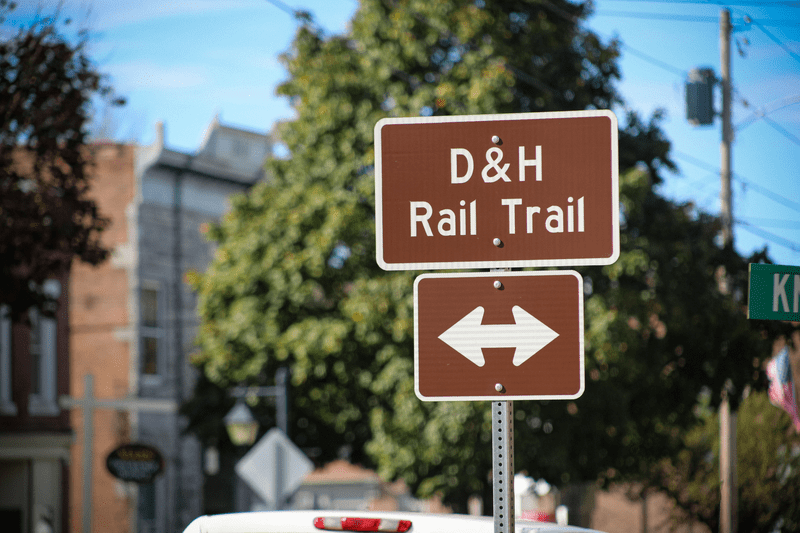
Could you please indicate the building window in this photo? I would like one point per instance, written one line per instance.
(240, 149)
(150, 346)
(35, 351)
(7, 406)
(151, 330)
(42, 350)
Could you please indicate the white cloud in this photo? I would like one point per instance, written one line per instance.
(150, 75)
(105, 15)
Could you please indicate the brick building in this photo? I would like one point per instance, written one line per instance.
(35, 435)
(100, 333)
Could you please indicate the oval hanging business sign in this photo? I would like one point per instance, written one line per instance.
(138, 463)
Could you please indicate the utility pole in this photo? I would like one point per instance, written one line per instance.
(88, 404)
(726, 209)
(727, 418)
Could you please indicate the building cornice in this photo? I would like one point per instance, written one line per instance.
(38, 445)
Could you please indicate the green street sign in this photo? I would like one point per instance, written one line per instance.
(774, 292)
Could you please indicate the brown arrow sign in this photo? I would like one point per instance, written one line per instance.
(509, 335)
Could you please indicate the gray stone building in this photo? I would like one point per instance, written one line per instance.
(179, 193)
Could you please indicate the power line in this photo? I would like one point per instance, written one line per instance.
(577, 21)
(767, 109)
(761, 27)
(747, 225)
(776, 40)
(759, 3)
(772, 222)
(656, 16)
(654, 61)
(697, 162)
(301, 15)
(769, 236)
(750, 225)
(783, 131)
(791, 204)
(284, 7)
(690, 18)
(704, 195)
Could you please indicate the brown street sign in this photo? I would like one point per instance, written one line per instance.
(497, 191)
(498, 335)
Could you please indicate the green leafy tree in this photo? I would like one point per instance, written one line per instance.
(768, 469)
(660, 333)
(295, 282)
(47, 218)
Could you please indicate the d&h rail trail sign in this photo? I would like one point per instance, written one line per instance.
(498, 335)
(497, 191)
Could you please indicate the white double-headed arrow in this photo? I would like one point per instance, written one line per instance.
(528, 335)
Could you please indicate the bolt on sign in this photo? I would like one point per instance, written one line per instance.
(498, 336)
(497, 191)
(774, 292)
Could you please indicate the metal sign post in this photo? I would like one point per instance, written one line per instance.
(503, 465)
(503, 460)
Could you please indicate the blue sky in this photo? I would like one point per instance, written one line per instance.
(184, 61)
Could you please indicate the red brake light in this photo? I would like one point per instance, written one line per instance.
(361, 524)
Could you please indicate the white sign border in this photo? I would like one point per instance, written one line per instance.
(593, 261)
(500, 397)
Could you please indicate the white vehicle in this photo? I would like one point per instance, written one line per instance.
(331, 520)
